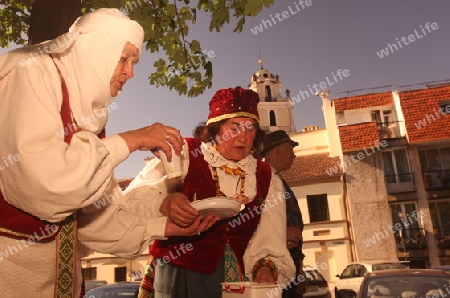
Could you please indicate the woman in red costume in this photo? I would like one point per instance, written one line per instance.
(219, 162)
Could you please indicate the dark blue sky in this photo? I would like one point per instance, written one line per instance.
(306, 47)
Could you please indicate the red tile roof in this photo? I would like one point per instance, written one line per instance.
(363, 101)
(359, 136)
(423, 118)
(313, 166)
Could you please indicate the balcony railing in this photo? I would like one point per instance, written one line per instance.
(399, 183)
(410, 239)
(436, 180)
(389, 130)
(442, 237)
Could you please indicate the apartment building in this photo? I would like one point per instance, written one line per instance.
(396, 160)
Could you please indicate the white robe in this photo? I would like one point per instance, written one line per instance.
(51, 180)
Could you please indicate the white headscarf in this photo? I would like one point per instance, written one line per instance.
(87, 57)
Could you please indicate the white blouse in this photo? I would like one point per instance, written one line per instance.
(269, 240)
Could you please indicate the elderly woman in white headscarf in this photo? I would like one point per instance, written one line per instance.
(58, 196)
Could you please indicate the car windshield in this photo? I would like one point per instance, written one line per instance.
(115, 292)
(90, 284)
(384, 266)
(406, 287)
(313, 275)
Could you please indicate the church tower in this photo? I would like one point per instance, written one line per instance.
(275, 111)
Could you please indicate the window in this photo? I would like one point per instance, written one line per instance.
(439, 211)
(120, 274)
(318, 208)
(439, 214)
(388, 265)
(381, 117)
(406, 214)
(273, 119)
(268, 93)
(435, 159)
(396, 166)
(435, 164)
(445, 106)
(386, 117)
(314, 276)
(406, 220)
(90, 273)
(376, 117)
(360, 270)
(348, 272)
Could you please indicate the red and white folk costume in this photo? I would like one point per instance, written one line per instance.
(257, 233)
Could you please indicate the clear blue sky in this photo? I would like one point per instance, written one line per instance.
(307, 46)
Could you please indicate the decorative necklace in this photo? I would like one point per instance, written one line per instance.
(235, 172)
(230, 171)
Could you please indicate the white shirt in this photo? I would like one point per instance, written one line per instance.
(269, 239)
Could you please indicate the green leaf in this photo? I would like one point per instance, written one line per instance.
(183, 67)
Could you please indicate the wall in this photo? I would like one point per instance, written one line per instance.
(364, 115)
(283, 114)
(105, 265)
(310, 142)
(367, 195)
(329, 114)
(334, 194)
(325, 242)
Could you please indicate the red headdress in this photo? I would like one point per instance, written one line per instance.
(232, 103)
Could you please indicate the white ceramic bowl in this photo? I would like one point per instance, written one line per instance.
(222, 207)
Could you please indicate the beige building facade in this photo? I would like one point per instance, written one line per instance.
(318, 184)
(113, 269)
(396, 157)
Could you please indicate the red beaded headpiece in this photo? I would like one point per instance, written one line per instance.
(232, 103)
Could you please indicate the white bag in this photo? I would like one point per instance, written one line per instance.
(250, 290)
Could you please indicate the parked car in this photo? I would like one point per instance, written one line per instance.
(127, 289)
(442, 267)
(405, 283)
(316, 285)
(348, 282)
(90, 284)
